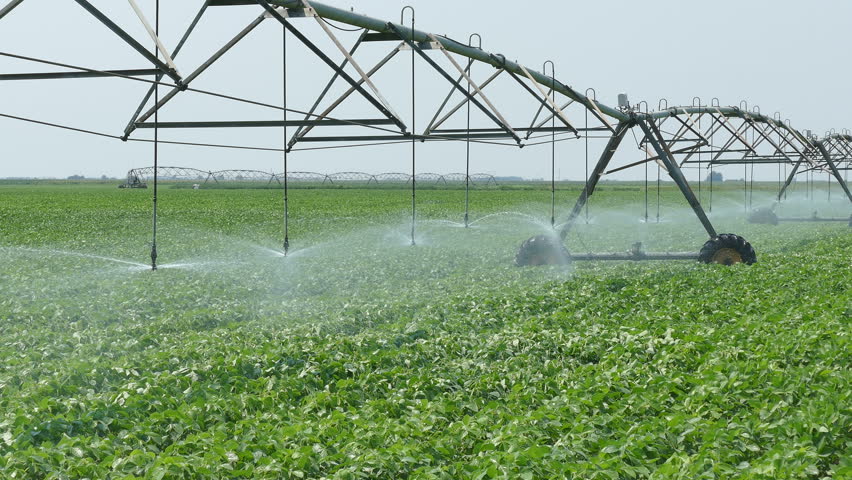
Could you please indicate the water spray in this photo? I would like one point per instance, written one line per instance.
(725, 249)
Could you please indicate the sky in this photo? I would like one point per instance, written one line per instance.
(785, 56)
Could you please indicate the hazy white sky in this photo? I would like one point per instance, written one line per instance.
(783, 55)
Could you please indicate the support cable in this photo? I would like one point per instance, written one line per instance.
(190, 89)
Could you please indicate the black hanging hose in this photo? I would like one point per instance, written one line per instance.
(156, 142)
(286, 165)
(413, 130)
(552, 147)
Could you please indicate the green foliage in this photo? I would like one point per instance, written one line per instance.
(362, 357)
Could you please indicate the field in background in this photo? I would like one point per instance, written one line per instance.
(359, 355)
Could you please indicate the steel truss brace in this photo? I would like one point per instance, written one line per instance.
(494, 116)
(267, 123)
(331, 82)
(435, 124)
(448, 97)
(192, 76)
(93, 74)
(735, 136)
(834, 170)
(9, 7)
(534, 127)
(297, 137)
(656, 139)
(500, 120)
(328, 61)
(355, 65)
(168, 70)
(153, 35)
(503, 123)
(545, 99)
(766, 136)
(177, 50)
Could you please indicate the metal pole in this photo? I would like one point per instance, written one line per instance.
(156, 149)
(552, 146)
(586, 141)
(467, 141)
(712, 179)
(646, 185)
(828, 180)
(413, 130)
(658, 193)
(467, 164)
(286, 148)
(700, 116)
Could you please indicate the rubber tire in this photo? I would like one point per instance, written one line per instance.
(542, 250)
(727, 240)
(764, 216)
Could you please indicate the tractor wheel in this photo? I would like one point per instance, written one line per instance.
(542, 250)
(763, 216)
(727, 249)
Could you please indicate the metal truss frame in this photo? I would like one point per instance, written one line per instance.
(675, 138)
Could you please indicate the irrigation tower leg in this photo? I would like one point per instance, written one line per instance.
(592, 181)
(656, 139)
(789, 179)
(834, 171)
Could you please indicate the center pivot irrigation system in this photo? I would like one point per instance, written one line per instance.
(709, 135)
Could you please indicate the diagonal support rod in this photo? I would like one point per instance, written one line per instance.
(172, 73)
(364, 77)
(9, 7)
(177, 49)
(434, 125)
(458, 87)
(192, 76)
(652, 133)
(834, 170)
(328, 61)
(298, 137)
(153, 35)
(502, 121)
(331, 82)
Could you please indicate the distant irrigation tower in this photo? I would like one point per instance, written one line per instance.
(139, 177)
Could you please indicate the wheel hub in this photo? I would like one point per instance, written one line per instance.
(727, 256)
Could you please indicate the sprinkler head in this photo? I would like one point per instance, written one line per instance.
(154, 257)
(286, 245)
